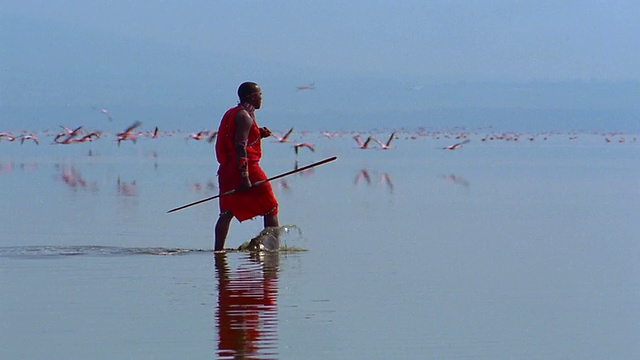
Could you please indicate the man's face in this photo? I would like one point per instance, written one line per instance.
(255, 98)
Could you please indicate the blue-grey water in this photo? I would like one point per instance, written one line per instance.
(501, 249)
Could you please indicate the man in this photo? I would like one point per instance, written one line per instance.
(238, 151)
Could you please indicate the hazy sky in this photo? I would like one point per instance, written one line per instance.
(432, 40)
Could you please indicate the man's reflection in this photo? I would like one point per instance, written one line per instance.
(247, 317)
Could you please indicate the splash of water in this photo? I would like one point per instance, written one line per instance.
(287, 238)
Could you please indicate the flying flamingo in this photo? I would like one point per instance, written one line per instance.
(128, 134)
(311, 86)
(200, 135)
(68, 133)
(285, 138)
(105, 112)
(7, 136)
(89, 137)
(29, 137)
(386, 146)
(363, 145)
(306, 144)
(328, 134)
(456, 145)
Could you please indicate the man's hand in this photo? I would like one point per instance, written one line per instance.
(245, 183)
(265, 132)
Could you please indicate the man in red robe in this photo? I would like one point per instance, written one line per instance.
(238, 151)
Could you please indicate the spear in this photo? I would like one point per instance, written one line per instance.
(255, 184)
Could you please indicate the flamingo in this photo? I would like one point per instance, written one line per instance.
(128, 134)
(285, 138)
(70, 134)
(329, 135)
(7, 136)
(456, 145)
(29, 137)
(386, 146)
(363, 145)
(105, 112)
(306, 144)
(89, 136)
(200, 135)
(311, 86)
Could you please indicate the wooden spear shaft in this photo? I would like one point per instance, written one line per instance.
(255, 184)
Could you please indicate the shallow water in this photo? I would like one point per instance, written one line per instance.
(500, 249)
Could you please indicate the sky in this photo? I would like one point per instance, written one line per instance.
(442, 40)
(127, 51)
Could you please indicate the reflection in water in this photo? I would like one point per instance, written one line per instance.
(247, 316)
(363, 175)
(126, 188)
(455, 179)
(307, 172)
(383, 179)
(72, 178)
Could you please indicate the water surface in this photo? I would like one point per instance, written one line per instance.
(498, 250)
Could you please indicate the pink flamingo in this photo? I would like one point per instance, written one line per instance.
(386, 146)
(7, 136)
(128, 133)
(105, 112)
(306, 87)
(456, 145)
(88, 137)
(329, 135)
(68, 133)
(285, 138)
(363, 145)
(196, 136)
(29, 137)
(200, 135)
(306, 144)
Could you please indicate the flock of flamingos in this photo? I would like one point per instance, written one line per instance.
(455, 138)
(68, 136)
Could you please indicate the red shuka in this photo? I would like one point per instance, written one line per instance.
(258, 200)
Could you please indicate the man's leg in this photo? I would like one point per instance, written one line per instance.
(271, 221)
(272, 242)
(222, 229)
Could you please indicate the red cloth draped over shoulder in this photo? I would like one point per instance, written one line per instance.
(258, 200)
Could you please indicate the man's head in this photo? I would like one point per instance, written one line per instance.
(250, 92)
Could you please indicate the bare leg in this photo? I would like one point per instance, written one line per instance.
(222, 229)
(271, 221)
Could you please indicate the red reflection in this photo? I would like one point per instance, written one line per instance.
(126, 188)
(247, 315)
(75, 180)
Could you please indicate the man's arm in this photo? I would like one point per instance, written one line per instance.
(243, 126)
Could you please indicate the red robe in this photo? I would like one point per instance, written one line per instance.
(258, 200)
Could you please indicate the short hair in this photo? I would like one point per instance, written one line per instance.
(246, 89)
